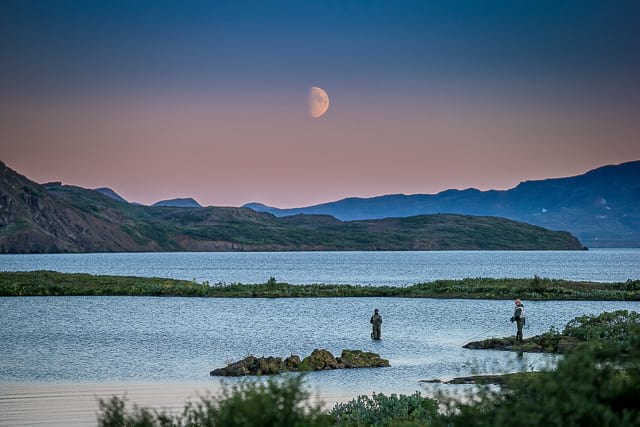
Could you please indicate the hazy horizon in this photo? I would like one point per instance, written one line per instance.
(186, 196)
(159, 100)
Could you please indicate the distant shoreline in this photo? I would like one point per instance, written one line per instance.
(50, 283)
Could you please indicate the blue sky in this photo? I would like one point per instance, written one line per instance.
(475, 82)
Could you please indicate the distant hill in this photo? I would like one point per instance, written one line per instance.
(600, 207)
(179, 203)
(110, 193)
(34, 219)
(53, 217)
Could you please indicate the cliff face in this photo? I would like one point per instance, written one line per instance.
(33, 220)
(53, 217)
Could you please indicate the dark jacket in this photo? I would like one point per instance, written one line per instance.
(376, 320)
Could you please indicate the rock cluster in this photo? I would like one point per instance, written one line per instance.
(499, 379)
(318, 360)
(536, 344)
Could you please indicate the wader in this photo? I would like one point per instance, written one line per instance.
(519, 323)
(376, 321)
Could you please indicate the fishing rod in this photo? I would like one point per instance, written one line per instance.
(483, 334)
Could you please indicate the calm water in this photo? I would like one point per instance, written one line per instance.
(148, 338)
(377, 268)
(58, 354)
(57, 351)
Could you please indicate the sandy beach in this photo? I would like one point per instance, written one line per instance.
(76, 403)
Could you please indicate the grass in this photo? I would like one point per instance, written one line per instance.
(49, 283)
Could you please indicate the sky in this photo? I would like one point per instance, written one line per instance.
(208, 99)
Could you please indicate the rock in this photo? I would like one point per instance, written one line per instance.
(497, 379)
(236, 369)
(567, 344)
(361, 359)
(491, 343)
(537, 344)
(292, 363)
(269, 366)
(252, 365)
(318, 360)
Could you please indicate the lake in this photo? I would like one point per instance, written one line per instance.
(58, 354)
(358, 268)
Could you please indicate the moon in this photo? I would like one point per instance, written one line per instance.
(318, 102)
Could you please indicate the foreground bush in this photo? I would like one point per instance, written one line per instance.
(596, 385)
(282, 403)
(613, 327)
(275, 402)
(381, 410)
(605, 330)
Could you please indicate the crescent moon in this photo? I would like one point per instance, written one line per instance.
(318, 102)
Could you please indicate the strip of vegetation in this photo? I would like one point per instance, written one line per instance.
(597, 384)
(49, 283)
(606, 327)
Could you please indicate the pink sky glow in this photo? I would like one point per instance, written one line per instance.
(255, 147)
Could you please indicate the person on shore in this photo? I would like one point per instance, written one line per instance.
(376, 322)
(518, 317)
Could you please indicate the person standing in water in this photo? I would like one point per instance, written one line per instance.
(376, 322)
(518, 317)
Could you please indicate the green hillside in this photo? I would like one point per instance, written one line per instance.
(63, 218)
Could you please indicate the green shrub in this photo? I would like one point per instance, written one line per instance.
(382, 410)
(613, 327)
(549, 340)
(271, 282)
(273, 402)
(594, 386)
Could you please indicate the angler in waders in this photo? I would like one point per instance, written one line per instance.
(518, 317)
(376, 322)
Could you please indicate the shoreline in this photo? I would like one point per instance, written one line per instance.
(71, 403)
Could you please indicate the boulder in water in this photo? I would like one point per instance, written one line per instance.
(318, 360)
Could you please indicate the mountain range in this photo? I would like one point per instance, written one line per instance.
(52, 217)
(186, 202)
(600, 207)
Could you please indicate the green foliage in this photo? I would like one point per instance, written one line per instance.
(382, 410)
(593, 386)
(53, 283)
(531, 289)
(550, 340)
(271, 282)
(610, 327)
(144, 228)
(596, 385)
(274, 402)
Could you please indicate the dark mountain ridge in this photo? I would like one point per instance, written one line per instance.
(601, 207)
(112, 194)
(64, 218)
(187, 202)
